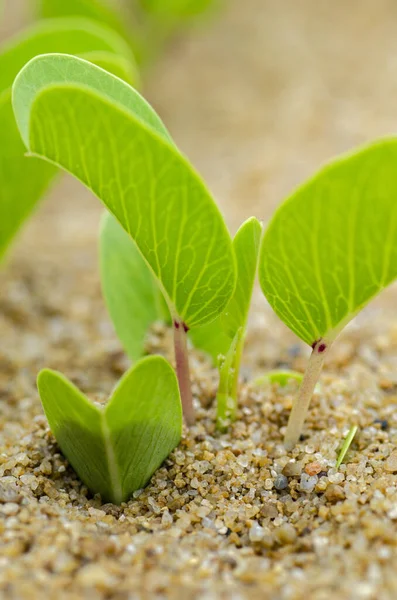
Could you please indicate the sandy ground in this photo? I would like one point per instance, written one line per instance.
(258, 100)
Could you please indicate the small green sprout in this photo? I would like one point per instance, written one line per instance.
(346, 445)
(88, 122)
(116, 449)
(23, 182)
(328, 250)
(224, 339)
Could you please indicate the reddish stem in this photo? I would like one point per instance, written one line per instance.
(183, 371)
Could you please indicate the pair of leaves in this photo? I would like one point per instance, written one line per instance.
(23, 182)
(116, 449)
(101, 130)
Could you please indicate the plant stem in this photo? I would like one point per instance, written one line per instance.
(226, 398)
(236, 374)
(183, 371)
(301, 405)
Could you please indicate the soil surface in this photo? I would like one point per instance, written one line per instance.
(257, 98)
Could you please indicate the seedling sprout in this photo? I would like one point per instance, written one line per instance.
(346, 445)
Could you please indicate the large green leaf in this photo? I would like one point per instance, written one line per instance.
(101, 130)
(331, 247)
(131, 292)
(22, 181)
(116, 449)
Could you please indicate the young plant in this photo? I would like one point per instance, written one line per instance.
(135, 301)
(224, 339)
(116, 449)
(346, 445)
(86, 121)
(329, 249)
(23, 182)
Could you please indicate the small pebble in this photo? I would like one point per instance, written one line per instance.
(292, 469)
(391, 462)
(281, 482)
(307, 483)
(313, 468)
(286, 534)
(335, 493)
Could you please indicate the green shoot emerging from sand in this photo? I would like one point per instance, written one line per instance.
(329, 249)
(346, 445)
(116, 449)
(127, 282)
(224, 339)
(93, 125)
(24, 181)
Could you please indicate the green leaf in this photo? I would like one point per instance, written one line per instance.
(121, 18)
(97, 10)
(246, 248)
(177, 9)
(216, 337)
(23, 182)
(131, 292)
(116, 449)
(91, 124)
(331, 247)
(279, 377)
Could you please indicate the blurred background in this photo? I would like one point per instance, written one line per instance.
(258, 94)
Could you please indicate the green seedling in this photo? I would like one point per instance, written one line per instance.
(23, 182)
(135, 301)
(78, 117)
(346, 445)
(116, 449)
(329, 249)
(224, 339)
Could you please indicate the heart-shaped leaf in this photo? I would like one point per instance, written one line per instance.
(102, 131)
(115, 449)
(23, 182)
(329, 249)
